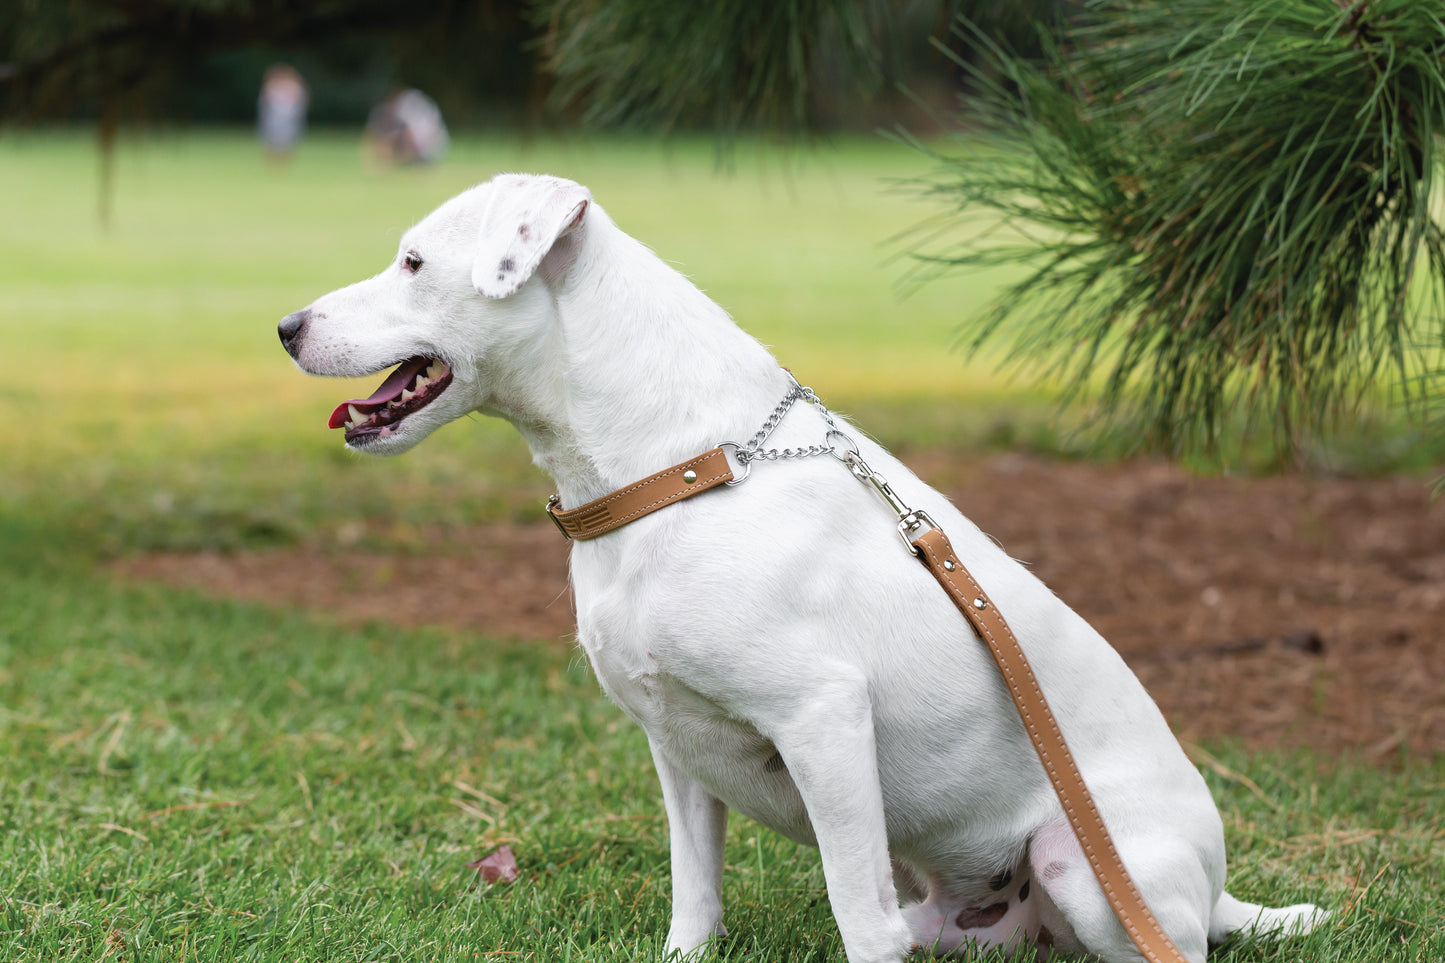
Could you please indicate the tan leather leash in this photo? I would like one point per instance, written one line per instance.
(928, 542)
(933, 548)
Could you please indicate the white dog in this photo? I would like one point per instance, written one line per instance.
(785, 654)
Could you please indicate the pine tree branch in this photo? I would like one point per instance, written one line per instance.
(730, 64)
(1232, 207)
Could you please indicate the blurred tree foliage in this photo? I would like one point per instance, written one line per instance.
(483, 60)
(203, 59)
(1227, 209)
(785, 66)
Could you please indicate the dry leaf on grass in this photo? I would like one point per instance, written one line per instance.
(499, 867)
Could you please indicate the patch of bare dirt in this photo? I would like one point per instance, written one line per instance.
(510, 582)
(1285, 611)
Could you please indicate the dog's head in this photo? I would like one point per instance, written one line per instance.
(469, 284)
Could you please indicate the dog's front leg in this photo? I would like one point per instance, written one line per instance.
(827, 743)
(696, 824)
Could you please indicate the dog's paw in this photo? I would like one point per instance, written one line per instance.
(893, 944)
(687, 941)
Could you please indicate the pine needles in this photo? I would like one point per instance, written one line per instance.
(735, 66)
(1225, 207)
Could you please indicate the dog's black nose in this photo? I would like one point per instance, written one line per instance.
(290, 330)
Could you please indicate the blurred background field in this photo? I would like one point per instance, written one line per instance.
(170, 418)
(181, 422)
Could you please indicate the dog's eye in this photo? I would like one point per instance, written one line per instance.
(412, 262)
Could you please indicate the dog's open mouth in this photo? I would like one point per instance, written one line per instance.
(416, 383)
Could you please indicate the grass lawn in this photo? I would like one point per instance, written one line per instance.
(188, 779)
(184, 778)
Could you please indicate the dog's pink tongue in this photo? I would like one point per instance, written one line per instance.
(389, 389)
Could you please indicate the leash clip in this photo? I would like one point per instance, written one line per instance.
(909, 520)
(910, 524)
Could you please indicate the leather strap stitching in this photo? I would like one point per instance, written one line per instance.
(578, 522)
(702, 485)
(1128, 905)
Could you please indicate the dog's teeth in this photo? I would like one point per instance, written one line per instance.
(356, 416)
(435, 370)
(407, 395)
(421, 382)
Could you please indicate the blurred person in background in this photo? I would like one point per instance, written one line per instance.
(406, 128)
(281, 111)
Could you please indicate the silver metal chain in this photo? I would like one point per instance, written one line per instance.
(754, 451)
(836, 443)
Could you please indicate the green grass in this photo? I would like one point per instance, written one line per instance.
(183, 778)
(186, 778)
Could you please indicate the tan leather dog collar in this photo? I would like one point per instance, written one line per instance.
(602, 515)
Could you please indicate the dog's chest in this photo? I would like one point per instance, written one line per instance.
(726, 755)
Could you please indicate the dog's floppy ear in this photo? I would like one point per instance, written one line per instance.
(525, 216)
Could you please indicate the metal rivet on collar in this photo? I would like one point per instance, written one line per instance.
(689, 476)
(980, 603)
(949, 564)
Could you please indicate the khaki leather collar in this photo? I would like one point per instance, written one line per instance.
(602, 515)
